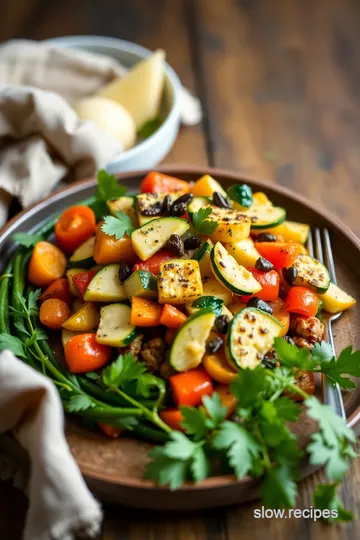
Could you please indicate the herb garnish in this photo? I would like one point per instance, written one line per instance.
(107, 189)
(259, 441)
(201, 223)
(117, 225)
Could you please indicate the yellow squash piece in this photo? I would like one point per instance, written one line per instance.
(261, 199)
(218, 367)
(211, 287)
(205, 187)
(244, 252)
(179, 281)
(335, 299)
(85, 319)
(291, 231)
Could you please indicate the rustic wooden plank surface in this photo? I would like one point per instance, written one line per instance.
(279, 82)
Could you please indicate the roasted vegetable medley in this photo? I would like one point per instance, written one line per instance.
(168, 302)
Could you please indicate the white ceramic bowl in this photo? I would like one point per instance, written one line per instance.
(152, 150)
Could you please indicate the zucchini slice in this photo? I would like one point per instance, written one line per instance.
(190, 309)
(264, 217)
(188, 347)
(335, 299)
(83, 256)
(179, 281)
(125, 205)
(312, 273)
(114, 327)
(250, 335)
(244, 252)
(211, 287)
(231, 274)
(202, 255)
(152, 236)
(105, 286)
(141, 283)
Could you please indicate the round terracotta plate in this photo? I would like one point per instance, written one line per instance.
(114, 468)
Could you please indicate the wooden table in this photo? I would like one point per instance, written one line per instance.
(279, 82)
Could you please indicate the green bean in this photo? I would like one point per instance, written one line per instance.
(146, 432)
(4, 298)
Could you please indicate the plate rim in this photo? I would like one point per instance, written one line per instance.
(220, 481)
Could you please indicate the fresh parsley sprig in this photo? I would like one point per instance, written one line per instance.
(201, 223)
(117, 225)
(259, 441)
(107, 189)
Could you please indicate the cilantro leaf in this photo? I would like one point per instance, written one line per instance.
(195, 422)
(201, 223)
(125, 369)
(241, 193)
(26, 239)
(241, 447)
(166, 471)
(273, 429)
(79, 402)
(177, 460)
(13, 344)
(326, 498)
(292, 356)
(288, 452)
(216, 410)
(199, 465)
(322, 353)
(348, 363)
(117, 226)
(278, 488)
(248, 386)
(333, 444)
(209, 302)
(287, 409)
(107, 188)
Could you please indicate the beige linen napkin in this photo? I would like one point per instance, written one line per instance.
(61, 506)
(41, 137)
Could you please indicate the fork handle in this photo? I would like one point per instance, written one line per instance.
(331, 391)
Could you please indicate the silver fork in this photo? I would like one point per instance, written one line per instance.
(323, 253)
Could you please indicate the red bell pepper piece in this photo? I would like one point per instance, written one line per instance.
(189, 387)
(82, 280)
(303, 301)
(270, 283)
(156, 182)
(153, 264)
(281, 254)
(172, 417)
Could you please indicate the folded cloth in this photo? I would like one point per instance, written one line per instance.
(61, 507)
(41, 137)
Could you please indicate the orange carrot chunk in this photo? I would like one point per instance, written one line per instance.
(172, 317)
(47, 263)
(144, 312)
